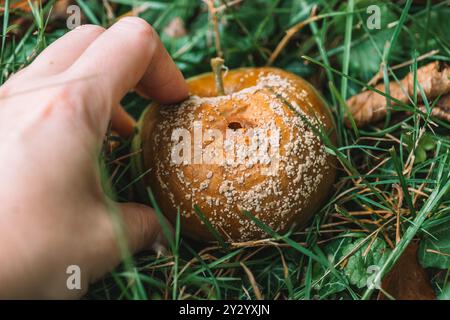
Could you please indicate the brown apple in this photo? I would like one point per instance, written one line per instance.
(258, 148)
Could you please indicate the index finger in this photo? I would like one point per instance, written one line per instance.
(127, 55)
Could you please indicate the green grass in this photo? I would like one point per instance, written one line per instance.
(339, 55)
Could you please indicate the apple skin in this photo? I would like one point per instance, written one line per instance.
(254, 98)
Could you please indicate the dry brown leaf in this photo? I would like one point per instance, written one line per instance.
(18, 4)
(407, 279)
(369, 106)
(60, 8)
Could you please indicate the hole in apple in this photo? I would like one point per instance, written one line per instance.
(234, 126)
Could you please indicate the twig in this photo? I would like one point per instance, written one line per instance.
(399, 206)
(213, 14)
(230, 4)
(252, 280)
(109, 11)
(290, 33)
(438, 252)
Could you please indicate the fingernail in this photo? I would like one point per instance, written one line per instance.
(159, 245)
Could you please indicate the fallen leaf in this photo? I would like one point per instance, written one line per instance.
(370, 254)
(407, 279)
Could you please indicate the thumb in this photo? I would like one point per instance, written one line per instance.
(142, 228)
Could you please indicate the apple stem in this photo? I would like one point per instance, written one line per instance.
(217, 66)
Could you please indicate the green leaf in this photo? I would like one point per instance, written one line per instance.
(436, 239)
(445, 293)
(427, 142)
(421, 155)
(331, 285)
(368, 45)
(358, 264)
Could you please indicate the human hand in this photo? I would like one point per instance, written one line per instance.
(53, 118)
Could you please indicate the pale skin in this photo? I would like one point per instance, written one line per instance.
(53, 118)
